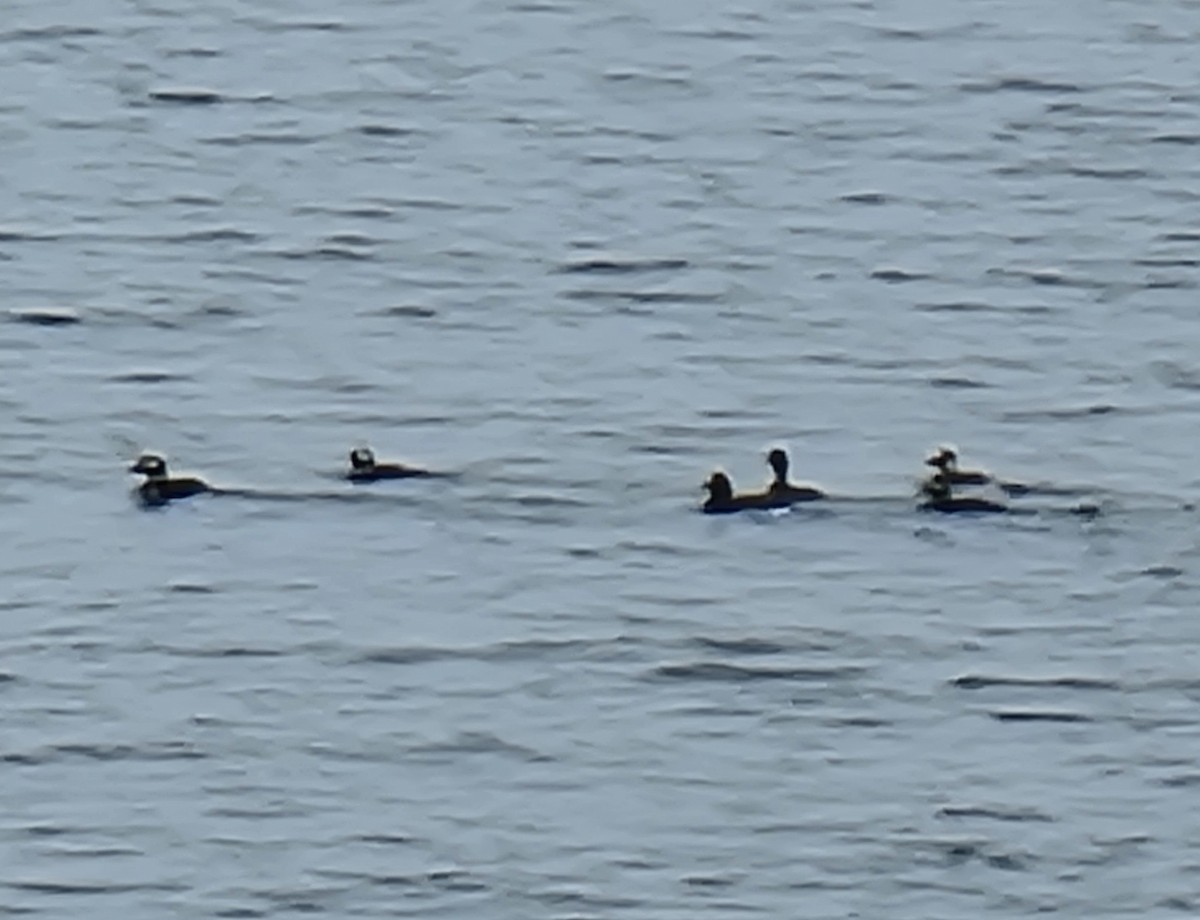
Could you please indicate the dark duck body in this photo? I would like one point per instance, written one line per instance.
(939, 496)
(722, 500)
(159, 487)
(782, 490)
(365, 468)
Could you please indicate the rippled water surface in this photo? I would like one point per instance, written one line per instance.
(578, 255)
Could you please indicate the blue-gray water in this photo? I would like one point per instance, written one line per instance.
(580, 254)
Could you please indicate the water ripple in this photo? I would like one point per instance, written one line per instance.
(720, 672)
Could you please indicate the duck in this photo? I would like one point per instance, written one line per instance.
(945, 461)
(365, 468)
(159, 486)
(939, 496)
(783, 490)
(722, 500)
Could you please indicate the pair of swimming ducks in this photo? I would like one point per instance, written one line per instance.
(938, 489)
(159, 486)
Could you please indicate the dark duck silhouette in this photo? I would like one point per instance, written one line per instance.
(939, 496)
(365, 468)
(782, 490)
(159, 487)
(945, 461)
(722, 500)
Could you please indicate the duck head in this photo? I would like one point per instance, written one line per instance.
(152, 466)
(362, 458)
(720, 489)
(777, 459)
(946, 458)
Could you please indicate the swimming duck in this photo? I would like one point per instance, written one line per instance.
(159, 487)
(780, 488)
(940, 497)
(721, 499)
(364, 468)
(945, 461)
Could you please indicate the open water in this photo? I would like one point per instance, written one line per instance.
(578, 255)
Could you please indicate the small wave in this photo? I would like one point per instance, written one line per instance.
(1168, 284)
(974, 306)
(351, 239)
(541, 649)
(247, 140)
(858, 722)
(325, 253)
(395, 881)
(148, 377)
(408, 310)
(428, 204)
(512, 650)
(195, 52)
(958, 383)
(300, 25)
(980, 681)
(641, 77)
(897, 275)
(378, 130)
(538, 8)
(407, 655)
(154, 751)
(481, 743)
(191, 588)
(215, 235)
(45, 32)
(219, 651)
(1020, 85)
(719, 33)
(708, 881)
(741, 646)
(54, 830)
(1181, 781)
(46, 316)
(548, 501)
(1038, 715)
(644, 297)
(455, 880)
(719, 671)
(387, 839)
(1187, 140)
(186, 96)
(866, 198)
(1162, 262)
(995, 814)
(907, 34)
(12, 235)
(617, 265)
(1163, 571)
(1034, 415)
(1095, 172)
(77, 888)
(276, 810)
